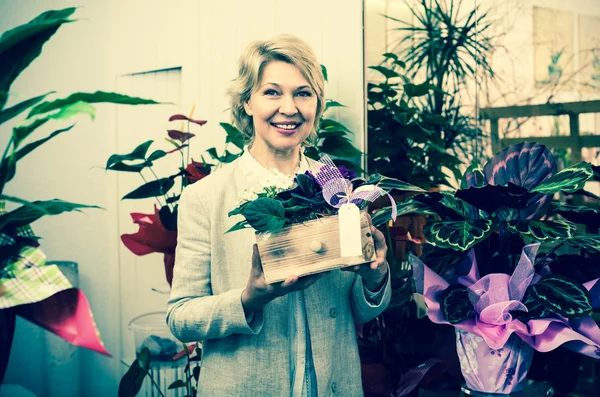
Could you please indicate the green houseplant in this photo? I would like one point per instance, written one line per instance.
(32, 289)
(484, 238)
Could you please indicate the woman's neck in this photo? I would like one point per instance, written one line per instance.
(285, 162)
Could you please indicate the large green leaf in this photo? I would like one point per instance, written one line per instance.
(332, 125)
(535, 310)
(8, 164)
(21, 45)
(589, 242)
(544, 230)
(388, 73)
(332, 104)
(233, 135)
(265, 214)
(31, 212)
(389, 184)
(456, 304)
(20, 107)
(568, 180)
(155, 188)
(139, 153)
(85, 97)
(562, 296)
(416, 90)
(458, 235)
(26, 128)
(339, 147)
(577, 214)
(132, 381)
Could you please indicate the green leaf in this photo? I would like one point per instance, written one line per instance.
(456, 304)
(417, 90)
(265, 214)
(139, 153)
(544, 230)
(120, 166)
(568, 180)
(177, 384)
(577, 213)
(31, 212)
(20, 107)
(306, 184)
(329, 124)
(339, 147)
(324, 71)
(144, 359)
(562, 296)
(589, 242)
(22, 44)
(132, 381)
(388, 73)
(233, 135)
(7, 166)
(333, 104)
(151, 189)
(473, 176)
(389, 184)
(239, 226)
(535, 310)
(85, 97)
(407, 207)
(458, 235)
(74, 109)
(157, 154)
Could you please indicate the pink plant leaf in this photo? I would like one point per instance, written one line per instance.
(183, 117)
(68, 315)
(180, 136)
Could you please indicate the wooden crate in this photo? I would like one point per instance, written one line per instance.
(310, 247)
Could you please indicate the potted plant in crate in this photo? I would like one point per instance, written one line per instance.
(311, 217)
(484, 275)
(31, 288)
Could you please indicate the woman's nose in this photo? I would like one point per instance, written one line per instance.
(288, 106)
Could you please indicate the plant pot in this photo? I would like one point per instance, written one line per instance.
(489, 371)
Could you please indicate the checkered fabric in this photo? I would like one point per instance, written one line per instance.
(25, 277)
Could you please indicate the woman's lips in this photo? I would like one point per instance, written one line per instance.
(286, 131)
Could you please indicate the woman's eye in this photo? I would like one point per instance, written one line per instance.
(305, 94)
(271, 93)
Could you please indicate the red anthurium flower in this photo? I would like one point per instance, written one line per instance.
(151, 236)
(196, 170)
(179, 135)
(182, 117)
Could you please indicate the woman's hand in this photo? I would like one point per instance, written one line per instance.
(374, 273)
(258, 293)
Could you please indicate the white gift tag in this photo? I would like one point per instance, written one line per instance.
(350, 241)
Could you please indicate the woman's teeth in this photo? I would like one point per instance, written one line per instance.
(287, 126)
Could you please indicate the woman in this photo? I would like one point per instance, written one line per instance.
(294, 338)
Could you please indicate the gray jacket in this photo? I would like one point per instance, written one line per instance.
(212, 269)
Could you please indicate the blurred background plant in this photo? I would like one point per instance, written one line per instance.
(33, 289)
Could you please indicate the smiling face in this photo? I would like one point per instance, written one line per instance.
(283, 109)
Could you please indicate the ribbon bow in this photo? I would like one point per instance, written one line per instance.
(338, 190)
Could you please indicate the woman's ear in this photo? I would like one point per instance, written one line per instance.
(248, 109)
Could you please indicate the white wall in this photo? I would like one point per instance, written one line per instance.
(113, 38)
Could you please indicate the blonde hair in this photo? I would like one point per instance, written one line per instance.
(285, 48)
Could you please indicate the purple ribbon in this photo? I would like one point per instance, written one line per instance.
(495, 295)
(338, 190)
